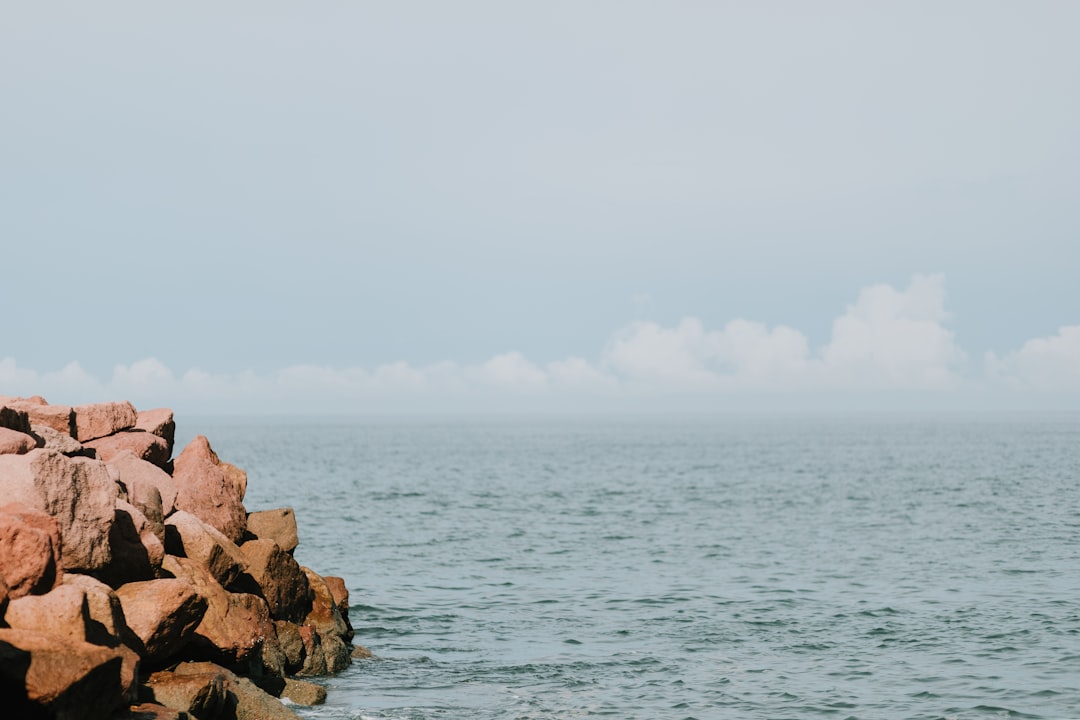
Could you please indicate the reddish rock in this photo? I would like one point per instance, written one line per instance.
(143, 445)
(61, 611)
(340, 593)
(78, 492)
(13, 442)
(142, 480)
(163, 614)
(106, 624)
(291, 644)
(210, 489)
(204, 694)
(314, 657)
(30, 548)
(14, 419)
(152, 711)
(99, 420)
(252, 703)
(188, 536)
(56, 417)
(68, 678)
(136, 549)
(279, 577)
(325, 615)
(303, 692)
(278, 525)
(61, 442)
(158, 421)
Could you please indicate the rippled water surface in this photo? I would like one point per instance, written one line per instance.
(760, 568)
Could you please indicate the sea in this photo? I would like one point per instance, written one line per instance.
(544, 568)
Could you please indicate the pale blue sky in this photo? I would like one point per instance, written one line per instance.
(254, 186)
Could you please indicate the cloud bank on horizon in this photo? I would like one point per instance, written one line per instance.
(889, 349)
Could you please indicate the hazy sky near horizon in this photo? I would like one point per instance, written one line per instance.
(353, 205)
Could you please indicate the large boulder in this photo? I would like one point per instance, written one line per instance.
(137, 550)
(78, 492)
(210, 489)
(279, 577)
(325, 616)
(62, 612)
(106, 624)
(188, 536)
(303, 692)
(203, 694)
(98, 420)
(55, 417)
(251, 702)
(143, 445)
(12, 418)
(13, 442)
(143, 481)
(67, 679)
(278, 525)
(340, 593)
(163, 615)
(152, 711)
(158, 421)
(30, 548)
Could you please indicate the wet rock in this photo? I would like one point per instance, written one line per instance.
(210, 489)
(252, 703)
(325, 615)
(291, 643)
(163, 614)
(203, 694)
(77, 492)
(303, 692)
(340, 594)
(13, 442)
(278, 525)
(142, 445)
(30, 550)
(279, 577)
(69, 679)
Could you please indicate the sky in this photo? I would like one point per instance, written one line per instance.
(357, 207)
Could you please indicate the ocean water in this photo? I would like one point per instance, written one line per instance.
(688, 568)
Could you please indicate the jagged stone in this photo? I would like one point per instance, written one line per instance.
(158, 421)
(279, 577)
(62, 612)
(136, 550)
(12, 418)
(143, 445)
(55, 417)
(163, 614)
(252, 703)
(151, 711)
(340, 593)
(278, 525)
(325, 615)
(68, 679)
(210, 489)
(98, 420)
(291, 643)
(77, 492)
(204, 695)
(30, 549)
(143, 480)
(61, 442)
(188, 536)
(303, 692)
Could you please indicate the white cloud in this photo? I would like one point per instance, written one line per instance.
(893, 342)
(1047, 363)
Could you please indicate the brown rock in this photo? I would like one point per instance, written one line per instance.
(202, 694)
(340, 593)
(78, 492)
(188, 536)
(68, 678)
(61, 442)
(291, 643)
(359, 652)
(105, 623)
(303, 692)
(163, 614)
(30, 549)
(278, 525)
(325, 615)
(14, 419)
(62, 612)
(56, 417)
(101, 419)
(235, 625)
(13, 442)
(314, 657)
(252, 703)
(143, 445)
(279, 577)
(142, 480)
(136, 550)
(210, 489)
(152, 711)
(158, 421)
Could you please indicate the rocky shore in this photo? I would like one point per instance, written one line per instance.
(136, 585)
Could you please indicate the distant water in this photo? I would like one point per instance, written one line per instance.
(709, 569)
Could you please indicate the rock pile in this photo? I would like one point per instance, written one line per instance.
(134, 585)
